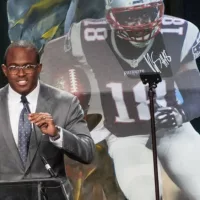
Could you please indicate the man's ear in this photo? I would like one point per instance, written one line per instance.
(4, 69)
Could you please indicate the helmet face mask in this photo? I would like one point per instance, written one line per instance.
(138, 22)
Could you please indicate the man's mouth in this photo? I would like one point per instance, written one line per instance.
(22, 82)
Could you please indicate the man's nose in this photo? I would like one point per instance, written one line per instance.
(21, 72)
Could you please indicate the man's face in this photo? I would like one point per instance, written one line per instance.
(22, 83)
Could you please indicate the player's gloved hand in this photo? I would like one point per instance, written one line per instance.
(168, 117)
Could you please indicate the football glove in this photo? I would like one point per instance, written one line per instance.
(169, 117)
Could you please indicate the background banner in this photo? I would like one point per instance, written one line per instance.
(40, 21)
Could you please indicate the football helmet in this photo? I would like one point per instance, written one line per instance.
(135, 20)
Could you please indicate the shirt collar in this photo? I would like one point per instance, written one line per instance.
(31, 97)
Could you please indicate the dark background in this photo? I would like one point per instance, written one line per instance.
(188, 10)
(4, 40)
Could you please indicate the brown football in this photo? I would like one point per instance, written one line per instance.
(75, 81)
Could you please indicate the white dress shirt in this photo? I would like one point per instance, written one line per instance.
(15, 107)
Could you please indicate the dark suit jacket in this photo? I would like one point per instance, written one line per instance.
(67, 113)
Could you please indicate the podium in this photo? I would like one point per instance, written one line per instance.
(36, 189)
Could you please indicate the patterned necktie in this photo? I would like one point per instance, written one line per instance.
(24, 131)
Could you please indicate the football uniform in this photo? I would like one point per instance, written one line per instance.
(115, 66)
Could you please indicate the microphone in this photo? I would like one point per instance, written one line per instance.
(48, 167)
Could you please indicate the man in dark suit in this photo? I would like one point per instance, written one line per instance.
(37, 120)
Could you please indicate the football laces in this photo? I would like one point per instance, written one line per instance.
(73, 81)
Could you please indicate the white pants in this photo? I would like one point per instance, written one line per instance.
(178, 152)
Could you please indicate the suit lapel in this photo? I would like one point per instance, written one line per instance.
(44, 104)
(6, 127)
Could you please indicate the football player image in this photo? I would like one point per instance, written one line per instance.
(136, 37)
